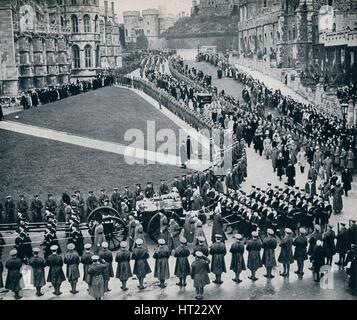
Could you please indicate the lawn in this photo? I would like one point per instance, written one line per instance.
(104, 114)
(32, 165)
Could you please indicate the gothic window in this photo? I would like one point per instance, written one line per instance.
(97, 57)
(88, 56)
(63, 24)
(86, 21)
(265, 3)
(76, 57)
(74, 24)
(96, 24)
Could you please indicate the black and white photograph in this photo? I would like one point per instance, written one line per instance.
(192, 151)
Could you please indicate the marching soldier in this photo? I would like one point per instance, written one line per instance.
(38, 265)
(14, 275)
(86, 260)
(237, 262)
(72, 260)
(55, 273)
(36, 207)
(218, 251)
(300, 254)
(122, 258)
(254, 260)
(268, 260)
(141, 266)
(199, 274)
(286, 256)
(106, 257)
(161, 256)
(182, 266)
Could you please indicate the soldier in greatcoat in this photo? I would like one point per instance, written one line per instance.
(199, 273)
(10, 209)
(55, 273)
(218, 251)
(237, 261)
(36, 208)
(99, 236)
(122, 258)
(286, 256)
(182, 266)
(254, 260)
(217, 228)
(86, 260)
(300, 253)
(342, 244)
(318, 260)
(72, 260)
(352, 270)
(38, 265)
(201, 246)
(96, 278)
(106, 257)
(328, 239)
(161, 256)
(141, 265)
(268, 260)
(174, 235)
(14, 275)
(92, 202)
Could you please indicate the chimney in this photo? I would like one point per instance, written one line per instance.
(106, 8)
(113, 9)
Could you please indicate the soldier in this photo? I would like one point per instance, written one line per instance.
(352, 270)
(237, 262)
(80, 202)
(268, 260)
(254, 260)
(149, 191)
(96, 278)
(38, 265)
(318, 260)
(106, 257)
(14, 275)
(102, 198)
(50, 204)
(77, 238)
(55, 273)
(128, 194)
(86, 260)
(36, 207)
(217, 227)
(23, 246)
(10, 209)
(115, 200)
(352, 232)
(122, 258)
(199, 273)
(92, 202)
(314, 237)
(161, 256)
(72, 260)
(286, 256)
(328, 239)
(22, 206)
(342, 244)
(141, 266)
(182, 266)
(164, 188)
(300, 254)
(201, 246)
(218, 251)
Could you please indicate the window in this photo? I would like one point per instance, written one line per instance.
(88, 56)
(76, 57)
(97, 57)
(265, 3)
(86, 2)
(63, 24)
(96, 24)
(86, 22)
(74, 2)
(74, 24)
(126, 32)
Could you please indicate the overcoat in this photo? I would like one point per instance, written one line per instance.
(237, 262)
(286, 254)
(107, 256)
(38, 265)
(86, 260)
(123, 265)
(141, 265)
(161, 256)
(217, 227)
(182, 266)
(14, 275)
(71, 259)
(218, 251)
(300, 244)
(199, 273)
(96, 280)
(254, 260)
(55, 274)
(269, 245)
(342, 243)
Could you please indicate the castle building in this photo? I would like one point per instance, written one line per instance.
(50, 42)
(214, 7)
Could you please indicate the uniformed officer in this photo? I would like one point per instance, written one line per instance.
(141, 265)
(161, 256)
(237, 261)
(268, 260)
(55, 273)
(122, 258)
(72, 260)
(86, 260)
(300, 253)
(106, 257)
(14, 275)
(199, 273)
(38, 265)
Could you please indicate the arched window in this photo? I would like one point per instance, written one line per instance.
(63, 24)
(74, 2)
(86, 21)
(97, 57)
(74, 24)
(96, 24)
(76, 58)
(88, 56)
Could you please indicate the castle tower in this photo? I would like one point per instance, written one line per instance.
(131, 24)
(151, 26)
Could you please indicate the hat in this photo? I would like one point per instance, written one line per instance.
(353, 221)
(102, 190)
(302, 231)
(201, 239)
(49, 195)
(161, 241)
(90, 191)
(183, 240)
(115, 189)
(36, 250)
(139, 241)
(95, 258)
(217, 235)
(238, 236)
(54, 248)
(343, 224)
(123, 244)
(270, 231)
(199, 254)
(288, 231)
(13, 252)
(87, 246)
(21, 196)
(8, 197)
(255, 234)
(71, 246)
(35, 195)
(105, 245)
